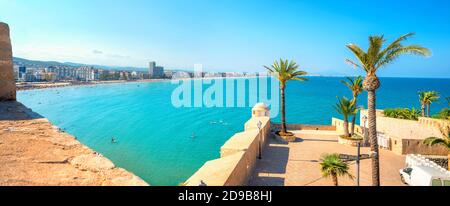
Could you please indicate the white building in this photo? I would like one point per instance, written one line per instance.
(155, 71)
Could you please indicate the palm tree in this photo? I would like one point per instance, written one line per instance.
(426, 99)
(285, 71)
(444, 141)
(370, 61)
(432, 97)
(346, 108)
(355, 85)
(332, 166)
(423, 99)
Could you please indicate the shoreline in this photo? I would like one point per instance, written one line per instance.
(48, 85)
(24, 86)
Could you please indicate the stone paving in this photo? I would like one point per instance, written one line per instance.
(297, 163)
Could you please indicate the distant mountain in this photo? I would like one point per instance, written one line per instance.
(36, 63)
(26, 62)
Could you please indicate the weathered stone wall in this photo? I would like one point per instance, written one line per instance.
(7, 83)
(407, 135)
(238, 156)
(437, 123)
(339, 126)
(405, 129)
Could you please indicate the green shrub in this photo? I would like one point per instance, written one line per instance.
(402, 113)
(443, 114)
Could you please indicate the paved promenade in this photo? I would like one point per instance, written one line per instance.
(297, 164)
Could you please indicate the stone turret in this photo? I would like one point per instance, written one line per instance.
(260, 110)
(7, 83)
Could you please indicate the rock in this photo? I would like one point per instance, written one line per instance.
(92, 162)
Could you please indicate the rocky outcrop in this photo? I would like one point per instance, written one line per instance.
(35, 152)
(7, 83)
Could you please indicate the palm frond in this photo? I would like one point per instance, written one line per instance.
(352, 63)
(376, 57)
(355, 85)
(285, 70)
(396, 43)
(435, 141)
(395, 53)
(375, 44)
(359, 54)
(331, 165)
(345, 107)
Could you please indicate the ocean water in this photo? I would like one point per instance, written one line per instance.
(165, 145)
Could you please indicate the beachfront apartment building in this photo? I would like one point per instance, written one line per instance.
(155, 71)
(85, 74)
(69, 73)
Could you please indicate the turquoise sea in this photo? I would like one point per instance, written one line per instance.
(165, 145)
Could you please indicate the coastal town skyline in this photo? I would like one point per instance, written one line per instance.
(251, 38)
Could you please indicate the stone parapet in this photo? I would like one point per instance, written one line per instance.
(238, 155)
(7, 82)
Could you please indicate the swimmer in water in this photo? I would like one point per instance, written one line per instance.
(113, 140)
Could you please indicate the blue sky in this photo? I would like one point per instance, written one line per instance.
(227, 35)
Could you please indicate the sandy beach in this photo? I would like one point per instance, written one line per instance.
(44, 85)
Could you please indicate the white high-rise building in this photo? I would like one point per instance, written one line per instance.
(155, 71)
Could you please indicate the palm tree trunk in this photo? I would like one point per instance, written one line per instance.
(346, 133)
(283, 110)
(352, 127)
(335, 179)
(423, 110)
(371, 105)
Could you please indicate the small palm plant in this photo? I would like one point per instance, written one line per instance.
(285, 71)
(332, 166)
(371, 61)
(346, 108)
(444, 141)
(356, 86)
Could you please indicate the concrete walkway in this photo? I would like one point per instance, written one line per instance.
(297, 163)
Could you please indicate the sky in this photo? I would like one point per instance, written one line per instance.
(228, 35)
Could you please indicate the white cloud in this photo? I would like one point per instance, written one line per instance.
(69, 53)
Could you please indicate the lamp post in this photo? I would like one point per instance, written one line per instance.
(259, 124)
(358, 158)
(357, 163)
(365, 130)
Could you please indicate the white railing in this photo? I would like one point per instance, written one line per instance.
(383, 141)
(419, 160)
